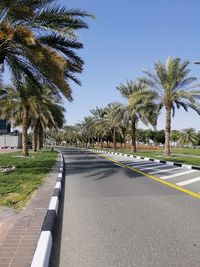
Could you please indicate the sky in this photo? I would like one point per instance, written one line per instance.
(127, 37)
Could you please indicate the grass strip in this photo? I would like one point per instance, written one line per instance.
(17, 187)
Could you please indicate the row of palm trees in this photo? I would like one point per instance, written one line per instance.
(77, 135)
(169, 87)
(38, 41)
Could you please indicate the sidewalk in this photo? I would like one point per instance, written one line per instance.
(19, 232)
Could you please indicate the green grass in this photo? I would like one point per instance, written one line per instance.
(17, 187)
(159, 155)
(187, 151)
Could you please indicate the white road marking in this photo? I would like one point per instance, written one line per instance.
(164, 170)
(156, 167)
(141, 164)
(190, 181)
(177, 174)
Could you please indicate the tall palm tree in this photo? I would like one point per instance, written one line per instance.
(28, 104)
(16, 105)
(101, 126)
(88, 130)
(49, 115)
(37, 39)
(114, 117)
(188, 137)
(70, 135)
(140, 106)
(173, 89)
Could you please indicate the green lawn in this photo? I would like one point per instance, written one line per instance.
(187, 151)
(186, 159)
(17, 187)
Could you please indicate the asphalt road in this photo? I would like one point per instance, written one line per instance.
(115, 217)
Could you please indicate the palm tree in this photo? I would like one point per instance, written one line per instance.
(114, 120)
(48, 115)
(140, 106)
(173, 89)
(175, 135)
(141, 136)
(28, 105)
(101, 126)
(37, 39)
(69, 135)
(188, 137)
(88, 130)
(16, 105)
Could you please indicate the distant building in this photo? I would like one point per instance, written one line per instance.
(3, 127)
(8, 139)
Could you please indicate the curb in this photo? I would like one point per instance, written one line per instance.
(177, 164)
(43, 250)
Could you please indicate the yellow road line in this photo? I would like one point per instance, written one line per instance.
(154, 177)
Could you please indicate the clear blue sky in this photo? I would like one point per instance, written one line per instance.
(127, 37)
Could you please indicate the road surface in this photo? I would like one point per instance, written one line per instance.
(116, 217)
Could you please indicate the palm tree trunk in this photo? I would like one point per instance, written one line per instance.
(133, 134)
(101, 141)
(39, 132)
(38, 140)
(92, 142)
(35, 130)
(25, 133)
(114, 139)
(167, 132)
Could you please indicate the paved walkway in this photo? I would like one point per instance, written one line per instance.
(8, 218)
(19, 232)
